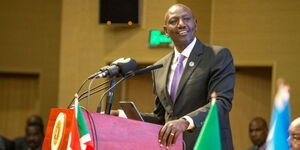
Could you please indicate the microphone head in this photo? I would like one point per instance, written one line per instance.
(104, 68)
(125, 65)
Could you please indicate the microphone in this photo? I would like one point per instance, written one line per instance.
(95, 75)
(121, 66)
(128, 75)
(146, 70)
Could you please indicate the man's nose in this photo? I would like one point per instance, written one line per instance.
(181, 23)
(30, 138)
(253, 133)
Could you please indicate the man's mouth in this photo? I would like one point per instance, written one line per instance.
(182, 32)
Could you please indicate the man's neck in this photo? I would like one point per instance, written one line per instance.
(181, 47)
(262, 146)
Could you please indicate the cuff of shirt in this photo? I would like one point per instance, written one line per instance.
(122, 113)
(191, 122)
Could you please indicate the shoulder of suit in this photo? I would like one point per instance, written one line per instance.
(164, 59)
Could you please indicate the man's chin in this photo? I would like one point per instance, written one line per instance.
(185, 40)
(259, 144)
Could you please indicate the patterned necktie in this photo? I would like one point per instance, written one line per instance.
(176, 77)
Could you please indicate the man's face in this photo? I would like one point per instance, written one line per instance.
(295, 137)
(180, 25)
(34, 136)
(258, 132)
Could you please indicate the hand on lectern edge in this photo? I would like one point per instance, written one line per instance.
(114, 113)
(170, 131)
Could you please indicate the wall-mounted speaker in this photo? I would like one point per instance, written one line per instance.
(119, 12)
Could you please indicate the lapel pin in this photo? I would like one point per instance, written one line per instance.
(191, 64)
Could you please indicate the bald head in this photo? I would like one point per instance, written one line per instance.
(175, 7)
(295, 134)
(260, 121)
(296, 123)
(35, 120)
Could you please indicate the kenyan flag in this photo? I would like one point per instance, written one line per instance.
(86, 142)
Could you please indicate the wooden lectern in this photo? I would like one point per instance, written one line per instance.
(107, 132)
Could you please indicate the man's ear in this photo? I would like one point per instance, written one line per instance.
(165, 30)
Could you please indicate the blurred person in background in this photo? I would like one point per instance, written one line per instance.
(295, 134)
(258, 132)
(34, 131)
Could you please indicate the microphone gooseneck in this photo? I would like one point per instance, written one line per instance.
(148, 69)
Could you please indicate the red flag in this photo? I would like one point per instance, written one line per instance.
(74, 142)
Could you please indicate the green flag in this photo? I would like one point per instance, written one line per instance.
(86, 142)
(209, 138)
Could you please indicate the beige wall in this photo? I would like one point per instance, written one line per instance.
(259, 33)
(29, 43)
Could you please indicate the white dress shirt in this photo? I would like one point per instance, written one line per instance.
(186, 52)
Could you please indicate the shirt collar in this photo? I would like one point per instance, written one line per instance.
(187, 51)
(263, 146)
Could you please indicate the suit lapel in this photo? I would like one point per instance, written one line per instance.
(165, 78)
(191, 64)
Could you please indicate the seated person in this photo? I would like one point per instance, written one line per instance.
(34, 135)
(295, 134)
(258, 132)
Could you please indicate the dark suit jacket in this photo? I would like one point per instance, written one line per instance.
(213, 70)
(21, 144)
(6, 144)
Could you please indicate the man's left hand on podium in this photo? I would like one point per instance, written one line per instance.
(170, 131)
(114, 112)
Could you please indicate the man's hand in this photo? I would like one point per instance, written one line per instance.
(114, 112)
(170, 131)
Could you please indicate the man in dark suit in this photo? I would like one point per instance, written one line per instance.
(6, 144)
(183, 86)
